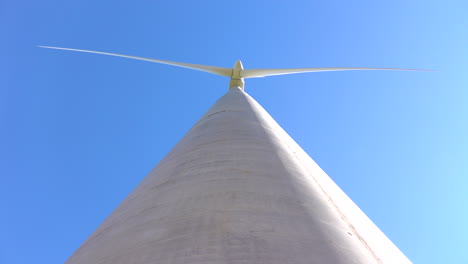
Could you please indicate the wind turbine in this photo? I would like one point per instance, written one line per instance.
(237, 189)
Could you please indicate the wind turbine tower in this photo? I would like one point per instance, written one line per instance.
(237, 189)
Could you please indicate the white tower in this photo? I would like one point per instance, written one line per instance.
(237, 189)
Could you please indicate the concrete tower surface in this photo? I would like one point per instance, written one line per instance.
(237, 190)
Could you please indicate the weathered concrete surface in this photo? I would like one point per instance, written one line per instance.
(237, 190)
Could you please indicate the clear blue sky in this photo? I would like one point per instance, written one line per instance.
(79, 131)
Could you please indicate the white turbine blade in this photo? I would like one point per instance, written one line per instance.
(211, 69)
(253, 73)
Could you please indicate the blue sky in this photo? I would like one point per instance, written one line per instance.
(79, 131)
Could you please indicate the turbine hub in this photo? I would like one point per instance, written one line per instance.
(236, 79)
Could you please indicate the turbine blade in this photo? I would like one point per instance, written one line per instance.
(211, 69)
(254, 73)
